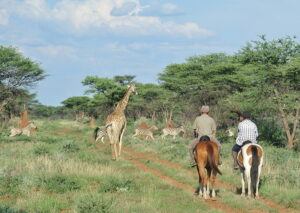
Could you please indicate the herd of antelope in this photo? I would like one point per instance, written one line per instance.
(144, 132)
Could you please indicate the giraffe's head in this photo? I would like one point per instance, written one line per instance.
(132, 87)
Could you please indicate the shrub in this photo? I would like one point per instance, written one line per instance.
(113, 184)
(48, 140)
(7, 209)
(9, 183)
(41, 150)
(270, 131)
(46, 204)
(297, 147)
(71, 148)
(94, 203)
(59, 183)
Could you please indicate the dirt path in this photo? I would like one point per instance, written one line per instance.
(210, 202)
(220, 184)
(133, 156)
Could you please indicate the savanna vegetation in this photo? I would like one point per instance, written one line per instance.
(61, 169)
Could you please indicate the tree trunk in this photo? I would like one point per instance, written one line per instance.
(290, 136)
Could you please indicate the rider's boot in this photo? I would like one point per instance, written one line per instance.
(220, 162)
(192, 162)
(235, 163)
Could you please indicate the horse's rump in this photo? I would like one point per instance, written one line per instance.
(207, 152)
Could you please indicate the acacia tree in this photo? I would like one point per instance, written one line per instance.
(16, 72)
(275, 86)
(78, 104)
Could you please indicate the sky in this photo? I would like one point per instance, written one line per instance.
(72, 39)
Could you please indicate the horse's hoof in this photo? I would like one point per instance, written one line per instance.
(213, 194)
(243, 195)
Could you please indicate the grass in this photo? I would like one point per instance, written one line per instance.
(60, 169)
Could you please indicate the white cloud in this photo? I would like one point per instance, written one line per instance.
(169, 8)
(98, 16)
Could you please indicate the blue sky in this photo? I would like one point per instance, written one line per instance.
(72, 39)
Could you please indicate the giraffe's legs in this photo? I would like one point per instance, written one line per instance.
(121, 138)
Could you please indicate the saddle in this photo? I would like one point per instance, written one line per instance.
(240, 157)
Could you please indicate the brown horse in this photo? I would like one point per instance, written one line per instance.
(207, 157)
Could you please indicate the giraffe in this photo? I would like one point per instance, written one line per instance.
(116, 123)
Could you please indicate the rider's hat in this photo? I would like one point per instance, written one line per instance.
(204, 109)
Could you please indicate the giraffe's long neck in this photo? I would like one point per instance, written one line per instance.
(123, 103)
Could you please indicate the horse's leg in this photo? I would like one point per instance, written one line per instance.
(259, 170)
(243, 182)
(213, 180)
(200, 189)
(208, 180)
(204, 181)
(247, 170)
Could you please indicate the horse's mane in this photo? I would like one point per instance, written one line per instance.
(204, 138)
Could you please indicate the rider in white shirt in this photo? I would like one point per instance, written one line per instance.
(247, 131)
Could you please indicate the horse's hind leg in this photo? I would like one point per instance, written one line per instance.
(257, 184)
(208, 181)
(204, 183)
(213, 180)
(200, 186)
(249, 181)
(243, 183)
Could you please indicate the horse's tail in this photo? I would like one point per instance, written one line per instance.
(211, 159)
(254, 168)
(96, 132)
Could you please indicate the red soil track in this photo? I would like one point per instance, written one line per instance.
(133, 155)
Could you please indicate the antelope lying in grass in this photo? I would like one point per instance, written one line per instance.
(172, 131)
(23, 131)
(147, 133)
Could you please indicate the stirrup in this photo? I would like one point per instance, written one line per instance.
(193, 165)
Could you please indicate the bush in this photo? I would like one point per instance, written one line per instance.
(113, 184)
(59, 183)
(297, 147)
(270, 131)
(46, 204)
(48, 140)
(71, 148)
(7, 209)
(94, 203)
(9, 183)
(41, 150)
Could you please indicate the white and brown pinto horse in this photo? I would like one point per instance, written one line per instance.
(206, 155)
(250, 160)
